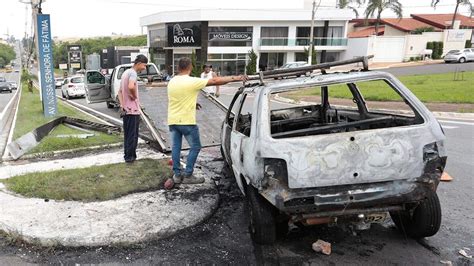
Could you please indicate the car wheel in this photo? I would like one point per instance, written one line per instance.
(110, 105)
(462, 60)
(423, 221)
(62, 94)
(262, 217)
(67, 95)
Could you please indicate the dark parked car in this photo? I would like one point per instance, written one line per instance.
(4, 85)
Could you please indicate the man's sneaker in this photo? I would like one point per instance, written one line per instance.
(177, 179)
(191, 179)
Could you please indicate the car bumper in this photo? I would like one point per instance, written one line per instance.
(76, 93)
(5, 89)
(356, 199)
(451, 59)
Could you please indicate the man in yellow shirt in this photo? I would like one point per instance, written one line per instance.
(183, 91)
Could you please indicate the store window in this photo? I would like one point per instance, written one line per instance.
(157, 37)
(228, 64)
(270, 61)
(274, 36)
(230, 36)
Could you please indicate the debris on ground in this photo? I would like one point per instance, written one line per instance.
(446, 177)
(446, 262)
(322, 247)
(169, 184)
(78, 136)
(464, 253)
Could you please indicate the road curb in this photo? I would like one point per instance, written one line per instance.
(128, 220)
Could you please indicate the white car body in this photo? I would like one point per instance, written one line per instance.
(460, 56)
(73, 87)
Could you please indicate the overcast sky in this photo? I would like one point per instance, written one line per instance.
(84, 18)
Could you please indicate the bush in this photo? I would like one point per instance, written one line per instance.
(251, 67)
(430, 45)
(468, 44)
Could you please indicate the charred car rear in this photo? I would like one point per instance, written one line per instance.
(301, 154)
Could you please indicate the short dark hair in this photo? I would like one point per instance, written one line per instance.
(184, 63)
(206, 65)
(141, 59)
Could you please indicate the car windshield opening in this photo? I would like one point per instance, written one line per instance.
(339, 108)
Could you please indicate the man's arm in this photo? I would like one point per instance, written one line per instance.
(131, 88)
(224, 80)
(214, 75)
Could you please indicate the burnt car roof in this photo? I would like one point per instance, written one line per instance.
(322, 79)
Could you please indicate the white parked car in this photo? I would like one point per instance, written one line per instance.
(460, 56)
(58, 82)
(290, 65)
(73, 87)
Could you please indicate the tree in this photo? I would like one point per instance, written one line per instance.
(196, 65)
(458, 2)
(350, 5)
(378, 6)
(7, 54)
(314, 56)
(420, 30)
(251, 67)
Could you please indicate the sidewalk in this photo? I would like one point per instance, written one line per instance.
(131, 219)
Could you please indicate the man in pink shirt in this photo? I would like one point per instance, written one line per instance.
(130, 106)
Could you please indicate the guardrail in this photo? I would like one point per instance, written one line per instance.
(302, 41)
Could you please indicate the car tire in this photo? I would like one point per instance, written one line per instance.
(263, 229)
(67, 95)
(462, 60)
(423, 221)
(109, 104)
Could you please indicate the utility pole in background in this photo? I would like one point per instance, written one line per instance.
(311, 35)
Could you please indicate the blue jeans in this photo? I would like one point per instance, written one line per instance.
(191, 134)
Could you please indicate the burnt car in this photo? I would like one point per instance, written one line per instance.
(302, 155)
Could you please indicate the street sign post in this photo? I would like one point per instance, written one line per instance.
(46, 65)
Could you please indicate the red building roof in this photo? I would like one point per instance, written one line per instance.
(407, 24)
(366, 32)
(443, 21)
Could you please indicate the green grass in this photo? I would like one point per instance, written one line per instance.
(30, 116)
(96, 183)
(439, 88)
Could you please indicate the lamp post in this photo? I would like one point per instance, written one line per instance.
(311, 35)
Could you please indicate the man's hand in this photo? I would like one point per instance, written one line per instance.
(243, 78)
(122, 111)
(198, 106)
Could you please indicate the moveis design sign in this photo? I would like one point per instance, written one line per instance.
(46, 65)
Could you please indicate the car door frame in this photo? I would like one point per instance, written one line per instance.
(227, 128)
(97, 92)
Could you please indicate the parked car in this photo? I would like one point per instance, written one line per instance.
(100, 88)
(73, 87)
(13, 85)
(460, 56)
(291, 65)
(315, 163)
(58, 82)
(4, 85)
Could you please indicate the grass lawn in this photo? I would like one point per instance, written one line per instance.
(428, 88)
(96, 183)
(30, 116)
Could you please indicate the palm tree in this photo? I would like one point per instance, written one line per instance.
(458, 2)
(350, 5)
(378, 6)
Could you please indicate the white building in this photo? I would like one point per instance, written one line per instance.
(223, 37)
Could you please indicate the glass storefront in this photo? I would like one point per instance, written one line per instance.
(228, 64)
(270, 61)
(230, 36)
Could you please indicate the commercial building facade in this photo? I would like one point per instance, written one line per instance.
(225, 37)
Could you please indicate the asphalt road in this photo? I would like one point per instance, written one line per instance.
(13, 76)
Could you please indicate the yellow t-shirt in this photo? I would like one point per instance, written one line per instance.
(182, 98)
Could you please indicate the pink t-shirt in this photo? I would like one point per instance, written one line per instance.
(132, 107)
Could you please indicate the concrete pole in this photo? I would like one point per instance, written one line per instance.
(311, 35)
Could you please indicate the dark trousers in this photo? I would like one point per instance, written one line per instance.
(130, 130)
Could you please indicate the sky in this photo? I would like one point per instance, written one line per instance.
(88, 18)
